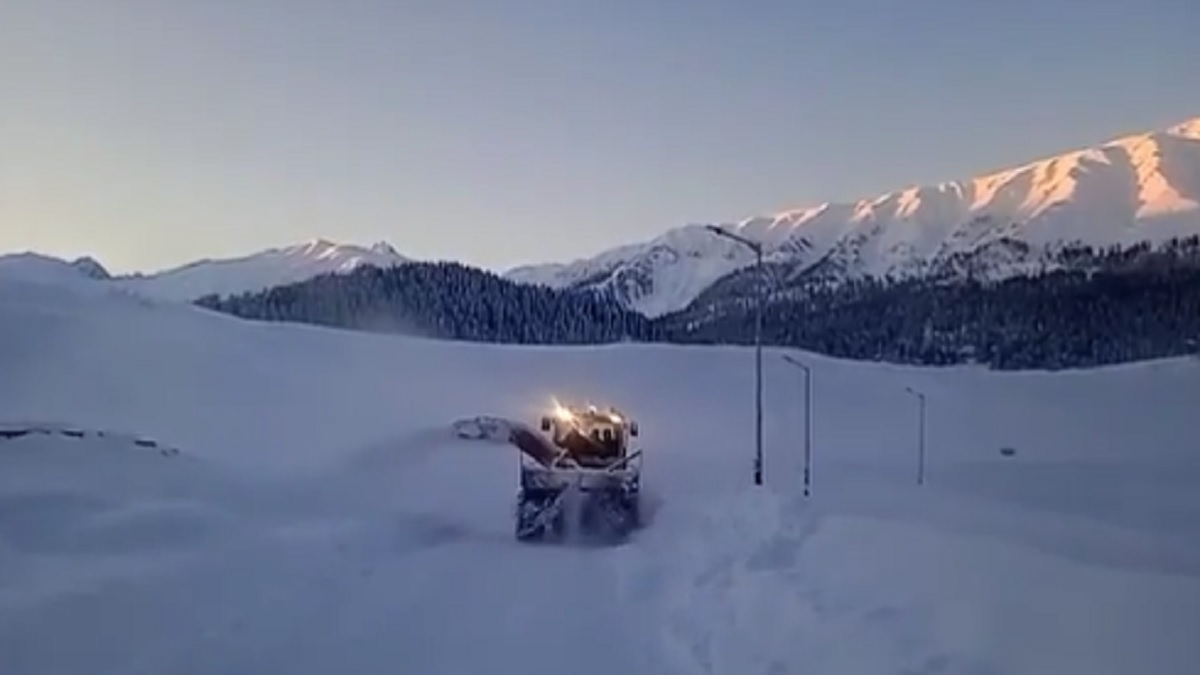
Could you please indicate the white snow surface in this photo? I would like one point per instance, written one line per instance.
(655, 278)
(339, 503)
(1142, 187)
(36, 267)
(262, 270)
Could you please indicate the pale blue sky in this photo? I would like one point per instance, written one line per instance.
(153, 132)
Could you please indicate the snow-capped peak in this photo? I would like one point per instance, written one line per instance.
(258, 271)
(656, 277)
(1141, 187)
(1188, 129)
(384, 248)
(90, 267)
(315, 248)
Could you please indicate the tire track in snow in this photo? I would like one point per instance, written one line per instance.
(745, 589)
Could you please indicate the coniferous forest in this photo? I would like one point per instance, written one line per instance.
(1095, 308)
(443, 300)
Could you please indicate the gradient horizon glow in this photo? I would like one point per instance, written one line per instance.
(151, 133)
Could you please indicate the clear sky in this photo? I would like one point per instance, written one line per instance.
(498, 132)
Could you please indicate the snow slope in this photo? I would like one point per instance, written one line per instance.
(1140, 187)
(323, 516)
(262, 270)
(45, 269)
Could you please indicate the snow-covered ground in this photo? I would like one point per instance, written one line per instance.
(321, 516)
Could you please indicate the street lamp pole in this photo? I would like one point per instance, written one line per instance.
(758, 326)
(807, 421)
(921, 436)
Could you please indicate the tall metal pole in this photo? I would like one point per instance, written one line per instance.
(807, 421)
(758, 374)
(921, 453)
(807, 431)
(920, 435)
(758, 320)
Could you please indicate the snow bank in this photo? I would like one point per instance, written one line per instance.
(13, 430)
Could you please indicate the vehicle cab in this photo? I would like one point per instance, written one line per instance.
(591, 436)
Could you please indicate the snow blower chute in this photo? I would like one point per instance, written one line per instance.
(583, 478)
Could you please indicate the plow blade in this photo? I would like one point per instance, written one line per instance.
(557, 503)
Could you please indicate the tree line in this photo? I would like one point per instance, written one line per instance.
(1097, 307)
(443, 300)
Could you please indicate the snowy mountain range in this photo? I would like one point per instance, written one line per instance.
(1143, 187)
(254, 272)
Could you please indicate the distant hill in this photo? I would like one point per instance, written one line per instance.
(261, 270)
